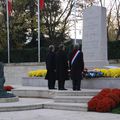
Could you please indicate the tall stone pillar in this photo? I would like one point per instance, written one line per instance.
(94, 43)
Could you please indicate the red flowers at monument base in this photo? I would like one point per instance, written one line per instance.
(105, 101)
(8, 88)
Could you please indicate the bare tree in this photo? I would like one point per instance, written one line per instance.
(109, 20)
(113, 19)
(118, 20)
(56, 19)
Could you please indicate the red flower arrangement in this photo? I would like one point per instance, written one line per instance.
(116, 91)
(8, 88)
(106, 100)
(114, 97)
(93, 103)
(103, 105)
(112, 103)
(104, 92)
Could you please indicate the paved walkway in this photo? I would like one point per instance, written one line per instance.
(47, 114)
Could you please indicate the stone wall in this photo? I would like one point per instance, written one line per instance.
(14, 72)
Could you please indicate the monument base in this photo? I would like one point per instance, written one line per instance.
(96, 64)
(93, 83)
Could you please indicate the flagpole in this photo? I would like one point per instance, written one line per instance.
(8, 32)
(104, 3)
(75, 21)
(38, 30)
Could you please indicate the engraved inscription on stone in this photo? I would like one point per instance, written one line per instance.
(94, 43)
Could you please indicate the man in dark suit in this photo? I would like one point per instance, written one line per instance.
(61, 67)
(51, 67)
(76, 66)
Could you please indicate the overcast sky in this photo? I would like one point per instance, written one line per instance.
(79, 28)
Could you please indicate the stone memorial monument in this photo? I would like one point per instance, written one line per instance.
(94, 43)
(3, 93)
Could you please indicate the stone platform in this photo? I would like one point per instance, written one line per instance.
(94, 83)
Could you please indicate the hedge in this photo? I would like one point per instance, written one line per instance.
(31, 54)
(23, 55)
(114, 50)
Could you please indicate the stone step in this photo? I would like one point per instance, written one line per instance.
(61, 100)
(24, 104)
(72, 99)
(28, 91)
(37, 103)
(67, 106)
(8, 100)
(83, 92)
(33, 92)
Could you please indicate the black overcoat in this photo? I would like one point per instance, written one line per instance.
(61, 65)
(51, 66)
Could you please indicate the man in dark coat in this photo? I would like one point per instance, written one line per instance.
(61, 67)
(76, 66)
(51, 67)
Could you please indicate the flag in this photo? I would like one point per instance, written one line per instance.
(41, 4)
(9, 7)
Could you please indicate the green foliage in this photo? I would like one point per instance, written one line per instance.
(3, 33)
(3, 55)
(114, 50)
(116, 110)
(23, 55)
(23, 23)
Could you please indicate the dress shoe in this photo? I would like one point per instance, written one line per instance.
(76, 89)
(62, 89)
(55, 88)
(52, 88)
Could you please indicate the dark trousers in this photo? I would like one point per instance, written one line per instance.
(51, 83)
(76, 84)
(61, 84)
